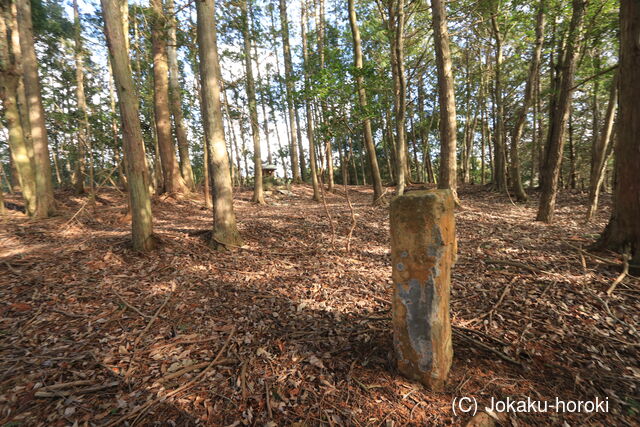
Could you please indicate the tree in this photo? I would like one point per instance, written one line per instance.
(396, 25)
(83, 132)
(175, 98)
(560, 115)
(310, 132)
(601, 150)
(446, 97)
(516, 179)
(21, 154)
(623, 231)
(288, 73)
(45, 205)
(362, 99)
(225, 232)
(258, 193)
(173, 181)
(134, 155)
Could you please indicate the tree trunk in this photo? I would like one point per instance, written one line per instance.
(288, 73)
(134, 156)
(557, 127)
(447, 100)
(396, 27)
(84, 143)
(175, 99)
(45, 205)
(362, 98)
(516, 177)
(623, 231)
(173, 182)
(500, 155)
(310, 133)
(9, 78)
(225, 232)
(601, 150)
(258, 193)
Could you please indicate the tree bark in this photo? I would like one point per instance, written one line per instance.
(258, 193)
(9, 78)
(500, 162)
(557, 127)
(310, 133)
(225, 232)
(175, 98)
(623, 231)
(288, 73)
(601, 150)
(396, 27)
(362, 98)
(134, 155)
(516, 177)
(173, 182)
(446, 94)
(84, 144)
(44, 186)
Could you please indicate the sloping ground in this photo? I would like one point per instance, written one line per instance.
(292, 328)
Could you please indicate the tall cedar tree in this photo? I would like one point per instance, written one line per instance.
(133, 145)
(225, 232)
(623, 231)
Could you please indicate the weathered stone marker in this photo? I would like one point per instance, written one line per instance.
(423, 250)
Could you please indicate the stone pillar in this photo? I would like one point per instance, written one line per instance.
(423, 250)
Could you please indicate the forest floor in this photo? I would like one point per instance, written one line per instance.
(294, 330)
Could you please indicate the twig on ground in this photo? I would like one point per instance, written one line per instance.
(55, 393)
(625, 271)
(516, 264)
(193, 367)
(484, 346)
(121, 298)
(353, 218)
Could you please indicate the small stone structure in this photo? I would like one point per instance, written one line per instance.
(423, 250)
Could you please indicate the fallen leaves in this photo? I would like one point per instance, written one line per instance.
(311, 341)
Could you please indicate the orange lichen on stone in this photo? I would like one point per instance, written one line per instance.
(423, 250)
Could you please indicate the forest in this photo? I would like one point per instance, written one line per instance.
(212, 212)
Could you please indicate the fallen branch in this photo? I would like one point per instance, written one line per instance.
(44, 393)
(484, 346)
(353, 218)
(620, 278)
(522, 265)
(193, 367)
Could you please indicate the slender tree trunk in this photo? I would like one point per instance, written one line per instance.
(288, 72)
(601, 150)
(137, 173)
(84, 143)
(362, 98)
(396, 26)
(310, 133)
(446, 92)
(557, 127)
(175, 98)
(258, 193)
(516, 177)
(207, 177)
(500, 155)
(44, 186)
(173, 182)
(225, 232)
